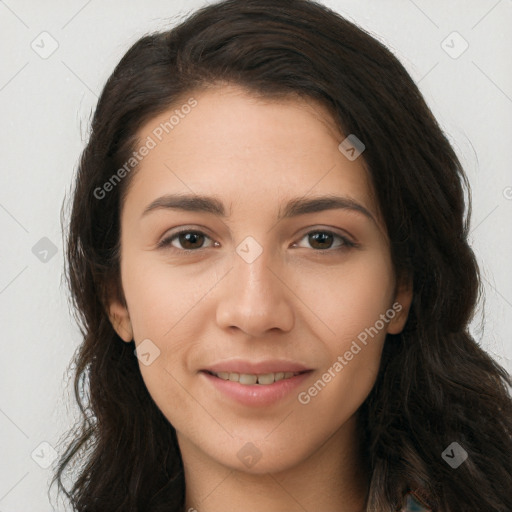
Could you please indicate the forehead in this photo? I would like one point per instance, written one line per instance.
(251, 151)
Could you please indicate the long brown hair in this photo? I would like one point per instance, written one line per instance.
(435, 386)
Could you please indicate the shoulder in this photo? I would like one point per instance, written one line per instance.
(413, 504)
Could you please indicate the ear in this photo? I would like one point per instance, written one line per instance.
(120, 320)
(401, 305)
(118, 311)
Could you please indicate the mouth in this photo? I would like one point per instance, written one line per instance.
(255, 384)
(261, 379)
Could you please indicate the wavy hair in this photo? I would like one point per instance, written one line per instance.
(435, 385)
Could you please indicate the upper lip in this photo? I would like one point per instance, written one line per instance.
(257, 368)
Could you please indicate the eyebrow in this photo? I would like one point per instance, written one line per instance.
(293, 208)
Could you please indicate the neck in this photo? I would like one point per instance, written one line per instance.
(331, 479)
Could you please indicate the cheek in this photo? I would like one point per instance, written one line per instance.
(161, 297)
(353, 310)
(353, 345)
(167, 306)
(346, 300)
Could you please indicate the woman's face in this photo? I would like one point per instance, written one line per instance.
(282, 274)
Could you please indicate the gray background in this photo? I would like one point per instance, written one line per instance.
(46, 100)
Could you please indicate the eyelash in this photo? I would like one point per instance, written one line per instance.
(347, 244)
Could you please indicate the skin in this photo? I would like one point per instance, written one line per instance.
(299, 300)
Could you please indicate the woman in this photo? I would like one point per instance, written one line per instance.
(268, 253)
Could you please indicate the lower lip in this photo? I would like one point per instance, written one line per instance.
(257, 394)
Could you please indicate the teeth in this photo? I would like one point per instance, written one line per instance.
(267, 378)
(245, 378)
(250, 378)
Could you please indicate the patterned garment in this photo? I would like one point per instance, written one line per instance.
(414, 504)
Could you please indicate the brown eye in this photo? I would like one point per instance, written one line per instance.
(321, 240)
(191, 240)
(185, 240)
(327, 240)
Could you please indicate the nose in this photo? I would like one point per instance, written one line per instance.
(255, 298)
